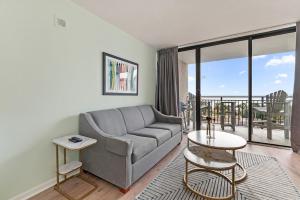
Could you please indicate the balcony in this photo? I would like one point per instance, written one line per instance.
(228, 110)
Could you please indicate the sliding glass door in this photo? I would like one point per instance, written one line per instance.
(273, 71)
(245, 84)
(224, 87)
(187, 88)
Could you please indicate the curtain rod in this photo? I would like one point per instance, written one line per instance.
(238, 35)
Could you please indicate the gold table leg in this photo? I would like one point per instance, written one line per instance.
(244, 176)
(57, 167)
(65, 160)
(232, 182)
(186, 171)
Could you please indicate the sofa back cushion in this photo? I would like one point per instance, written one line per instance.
(148, 114)
(110, 121)
(133, 118)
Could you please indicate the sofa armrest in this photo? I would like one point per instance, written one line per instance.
(113, 144)
(166, 118)
(120, 146)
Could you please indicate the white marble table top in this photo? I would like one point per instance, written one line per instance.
(214, 159)
(222, 140)
(64, 142)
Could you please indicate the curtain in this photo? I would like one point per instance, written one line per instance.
(295, 125)
(167, 89)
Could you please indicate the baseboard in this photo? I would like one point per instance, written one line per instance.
(35, 190)
(40, 188)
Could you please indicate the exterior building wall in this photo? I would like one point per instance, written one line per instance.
(183, 80)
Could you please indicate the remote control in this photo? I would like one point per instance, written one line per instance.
(75, 139)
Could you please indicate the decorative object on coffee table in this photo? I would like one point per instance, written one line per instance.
(73, 143)
(222, 141)
(210, 133)
(120, 76)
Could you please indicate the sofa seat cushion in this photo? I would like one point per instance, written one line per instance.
(141, 146)
(161, 135)
(174, 128)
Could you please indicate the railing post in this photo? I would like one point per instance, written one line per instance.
(188, 113)
(221, 100)
(287, 122)
(208, 108)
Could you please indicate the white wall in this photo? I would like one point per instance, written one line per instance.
(48, 76)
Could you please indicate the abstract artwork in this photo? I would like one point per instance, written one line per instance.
(120, 76)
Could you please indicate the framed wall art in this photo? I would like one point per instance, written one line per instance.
(120, 76)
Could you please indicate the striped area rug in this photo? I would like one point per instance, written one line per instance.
(266, 180)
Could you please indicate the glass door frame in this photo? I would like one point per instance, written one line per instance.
(248, 38)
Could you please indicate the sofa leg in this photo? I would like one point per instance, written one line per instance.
(124, 190)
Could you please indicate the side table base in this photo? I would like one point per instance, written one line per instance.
(65, 194)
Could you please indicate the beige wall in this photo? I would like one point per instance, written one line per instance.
(183, 80)
(49, 75)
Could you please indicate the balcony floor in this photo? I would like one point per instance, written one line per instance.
(259, 135)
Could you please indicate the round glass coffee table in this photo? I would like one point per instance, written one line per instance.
(221, 141)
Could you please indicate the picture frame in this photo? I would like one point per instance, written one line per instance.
(120, 76)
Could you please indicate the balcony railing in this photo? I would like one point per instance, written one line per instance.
(211, 106)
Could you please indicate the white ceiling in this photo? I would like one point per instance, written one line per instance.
(263, 46)
(165, 23)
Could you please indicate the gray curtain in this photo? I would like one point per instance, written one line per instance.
(295, 125)
(167, 89)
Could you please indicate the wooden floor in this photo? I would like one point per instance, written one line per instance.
(105, 191)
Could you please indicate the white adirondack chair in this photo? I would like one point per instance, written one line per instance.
(276, 106)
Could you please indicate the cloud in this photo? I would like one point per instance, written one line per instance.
(243, 72)
(281, 75)
(290, 59)
(278, 81)
(221, 86)
(191, 78)
(259, 57)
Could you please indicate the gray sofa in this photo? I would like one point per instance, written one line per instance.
(131, 140)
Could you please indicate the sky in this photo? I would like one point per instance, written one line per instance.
(229, 77)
